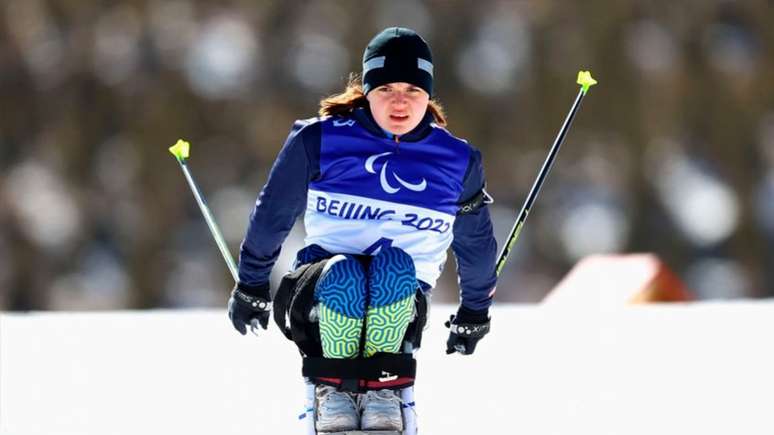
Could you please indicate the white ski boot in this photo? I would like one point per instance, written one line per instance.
(408, 409)
(381, 411)
(336, 410)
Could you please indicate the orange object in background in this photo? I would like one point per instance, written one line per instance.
(614, 280)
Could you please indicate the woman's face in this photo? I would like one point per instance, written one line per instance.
(398, 107)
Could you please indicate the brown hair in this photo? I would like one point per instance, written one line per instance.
(345, 102)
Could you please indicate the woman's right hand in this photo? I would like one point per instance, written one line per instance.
(248, 306)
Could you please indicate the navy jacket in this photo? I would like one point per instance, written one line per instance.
(314, 171)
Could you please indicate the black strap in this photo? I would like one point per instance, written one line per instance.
(375, 368)
(292, 303)
(285, 293)
(479, 200)
(295, 284)
(417, 326)
(303, 332)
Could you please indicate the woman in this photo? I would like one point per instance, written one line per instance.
(385, 190)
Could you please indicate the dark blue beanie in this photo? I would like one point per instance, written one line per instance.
(397, 54)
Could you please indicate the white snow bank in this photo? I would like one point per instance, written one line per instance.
(705, 368)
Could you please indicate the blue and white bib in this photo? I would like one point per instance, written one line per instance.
(375, 192)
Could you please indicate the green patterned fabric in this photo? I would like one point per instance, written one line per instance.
(340, 335)
(386, 326)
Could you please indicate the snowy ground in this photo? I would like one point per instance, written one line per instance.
(681, 369)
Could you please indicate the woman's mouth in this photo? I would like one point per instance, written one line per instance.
(399, 117)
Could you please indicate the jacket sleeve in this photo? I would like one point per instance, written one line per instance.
(474, 245)
(280, 202)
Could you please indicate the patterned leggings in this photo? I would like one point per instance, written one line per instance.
(344, 289)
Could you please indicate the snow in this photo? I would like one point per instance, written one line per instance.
(667, 369)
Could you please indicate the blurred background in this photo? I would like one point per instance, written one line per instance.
(672, 153)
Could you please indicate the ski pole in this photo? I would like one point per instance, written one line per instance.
(585, 81)
(182, 151)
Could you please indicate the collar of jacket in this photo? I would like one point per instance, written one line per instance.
(363, 116)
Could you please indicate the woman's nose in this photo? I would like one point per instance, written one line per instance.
(399, 97)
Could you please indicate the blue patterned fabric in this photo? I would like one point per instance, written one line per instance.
(391, 277)
(342, 286)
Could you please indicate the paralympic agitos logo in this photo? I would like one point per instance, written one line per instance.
(386, 186)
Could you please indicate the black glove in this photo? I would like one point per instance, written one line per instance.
(247, 304)
(467, 328)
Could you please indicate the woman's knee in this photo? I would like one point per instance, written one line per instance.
(342, 286)
(392, 277)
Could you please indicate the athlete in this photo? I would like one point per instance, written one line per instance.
(385, 190)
